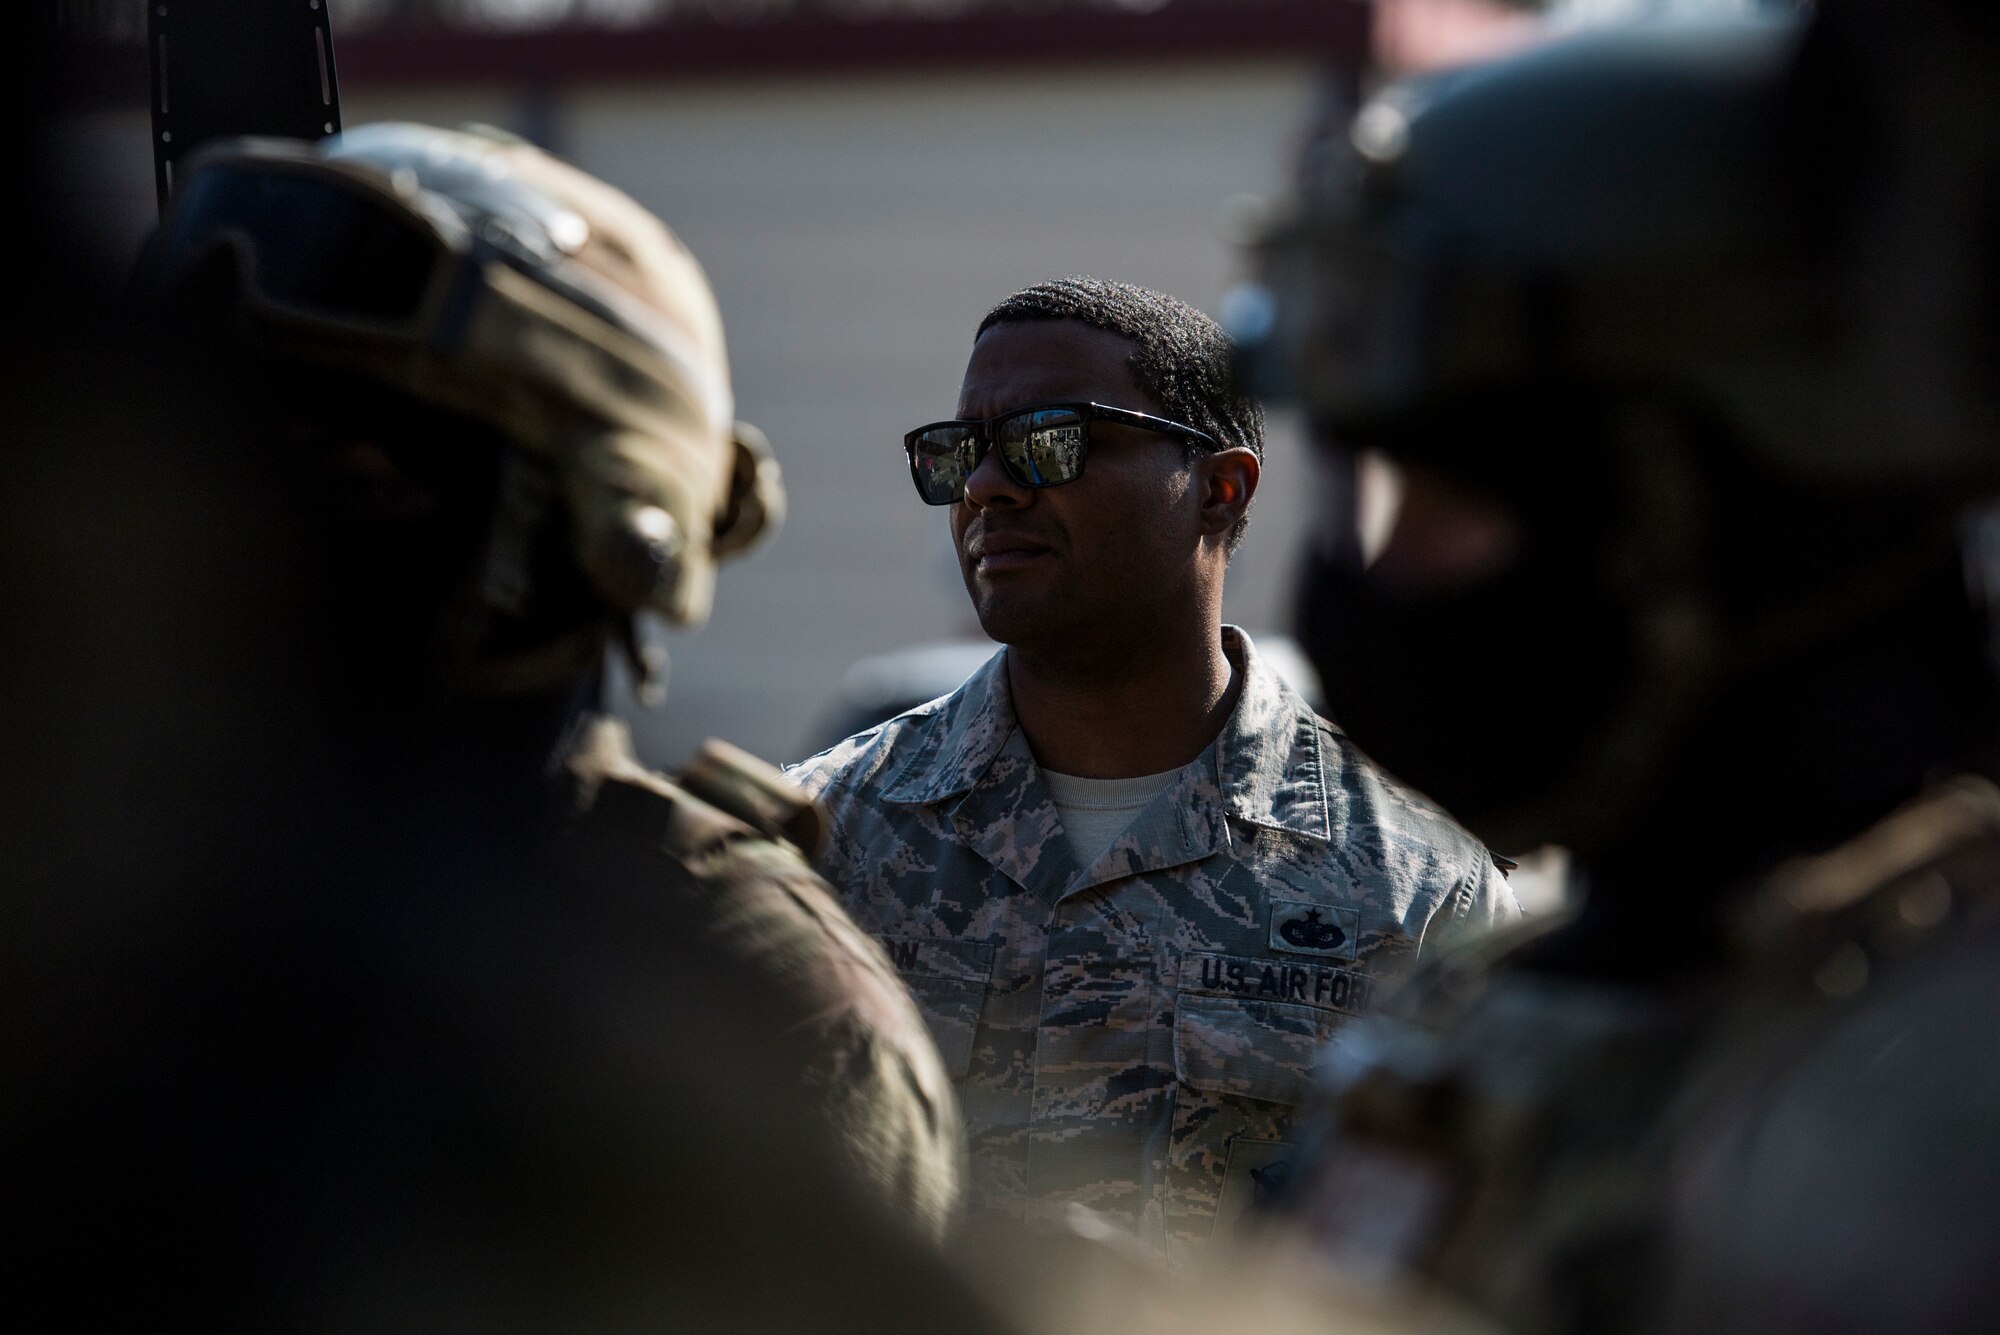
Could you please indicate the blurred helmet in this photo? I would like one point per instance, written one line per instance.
(1650, 207)
(1720, 342)
(479, 275)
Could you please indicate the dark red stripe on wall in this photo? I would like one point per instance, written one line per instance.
(809, 45)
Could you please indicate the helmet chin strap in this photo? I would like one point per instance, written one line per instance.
(648, 663)
(499, 591)
(527, 501)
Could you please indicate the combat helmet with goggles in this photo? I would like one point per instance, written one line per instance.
(478, 274)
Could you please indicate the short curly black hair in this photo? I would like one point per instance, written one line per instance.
(1179, 356)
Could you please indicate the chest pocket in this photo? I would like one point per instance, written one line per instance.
(1253, 1050)
(948, 979)
(1247, 1031)
(1251, 1027)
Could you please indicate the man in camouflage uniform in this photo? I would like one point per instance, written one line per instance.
(1133, 880)
(500, 387)
(1702, 394)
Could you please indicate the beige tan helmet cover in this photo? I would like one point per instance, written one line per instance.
(599, 348)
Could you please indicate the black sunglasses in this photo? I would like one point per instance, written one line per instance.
(1043, 446)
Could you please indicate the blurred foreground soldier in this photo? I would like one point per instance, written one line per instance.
(448, 1013)
(1682, 342)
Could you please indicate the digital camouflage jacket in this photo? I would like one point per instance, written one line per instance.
(1135, 1035)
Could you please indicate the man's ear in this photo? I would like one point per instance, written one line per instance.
(1228, 480)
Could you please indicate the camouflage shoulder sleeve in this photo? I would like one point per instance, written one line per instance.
(1477, 905)
(848, 763)
(1459, 887)
(869, 1058)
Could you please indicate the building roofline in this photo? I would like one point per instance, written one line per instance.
(820, 44)
(802, 45)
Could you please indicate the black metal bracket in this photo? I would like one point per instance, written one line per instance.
(235, 67)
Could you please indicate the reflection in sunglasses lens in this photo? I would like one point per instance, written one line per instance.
(1043, 448)
(943, 464)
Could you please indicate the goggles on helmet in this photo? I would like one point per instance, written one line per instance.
(444, 264)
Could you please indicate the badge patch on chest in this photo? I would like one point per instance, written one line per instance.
(1314, 929)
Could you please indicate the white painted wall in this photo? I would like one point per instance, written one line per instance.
(856, 229)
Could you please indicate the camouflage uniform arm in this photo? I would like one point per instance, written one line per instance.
(1477, 905)
(870, 1061)
(866, 1056)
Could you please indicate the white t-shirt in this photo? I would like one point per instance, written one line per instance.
(1094, 812)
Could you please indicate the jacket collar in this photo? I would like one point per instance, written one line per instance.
(1270, 761)
(958, 739)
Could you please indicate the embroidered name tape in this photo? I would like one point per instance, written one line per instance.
(1275, 980)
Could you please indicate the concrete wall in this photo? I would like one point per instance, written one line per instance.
(855, 230)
